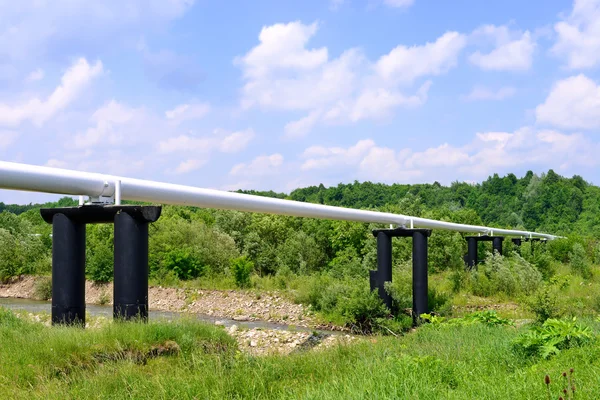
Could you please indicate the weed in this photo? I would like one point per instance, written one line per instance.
(544, 304)
(43, 288)
(242, 268)
(553, 336)
(104, 297)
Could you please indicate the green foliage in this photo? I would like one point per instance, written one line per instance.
(43, 288)
(579, 262)
(544, 303)
(488, 317)
(553, 336)
(100, 253)
(509, 275)
(242, 269)
(183, 262)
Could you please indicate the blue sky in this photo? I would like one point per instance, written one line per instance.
(281, 94)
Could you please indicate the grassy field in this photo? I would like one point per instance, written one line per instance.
(190, 360)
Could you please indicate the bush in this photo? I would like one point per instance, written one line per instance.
(552, 337)
(100, 263)
(579, 262)
(183, 263)
(242, 269)
(544, 304)
(508, 275)
(43, 288)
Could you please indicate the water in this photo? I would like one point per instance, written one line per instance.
(36, 306)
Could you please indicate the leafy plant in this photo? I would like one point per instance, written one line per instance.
(553, 336)
(43, 288)
(488, 317)
(544, 304)
(184, 263)
(242, 268)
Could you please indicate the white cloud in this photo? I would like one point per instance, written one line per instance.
(398, 3)
(513, 50)
(226, 142)
(114, 122)
(260, 166)
(487, 152)
(236, 141)
(573, 103)
(73, 82)
(185, 112)
(7, 138)
(579, 35)
(30, 29)
(189, 166)
(405, 64)
(35, 76)
(282, 46)
(54, 163)
(283, 73)
(303, 126)
(483, 93)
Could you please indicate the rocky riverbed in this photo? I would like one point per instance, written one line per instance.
(230, 304)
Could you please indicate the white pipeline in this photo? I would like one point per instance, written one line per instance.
(61, 181)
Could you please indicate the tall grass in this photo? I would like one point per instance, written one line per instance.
(117, 361)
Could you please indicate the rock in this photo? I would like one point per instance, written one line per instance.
(241, 318)
(253, 343)
(233, 328)
(220, 323)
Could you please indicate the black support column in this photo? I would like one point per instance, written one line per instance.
(472, 251)
(497, 244)
(131, 258)
(420, 284)
(131, 268)
(68, 271)
(384, 267)
(517, 241)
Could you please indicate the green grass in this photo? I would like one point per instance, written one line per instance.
(120, 361)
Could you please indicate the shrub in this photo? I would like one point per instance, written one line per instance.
(183, 263)
(100, 262)
(509, 275)
(552, 337)
(43, 288)
(544, 304)
(579, 262)
(242, 268)
(488, 317)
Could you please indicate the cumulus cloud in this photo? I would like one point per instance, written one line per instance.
(573, 103)
(189, 165)
(282, 72)
(35, 76)
(113, 123)
(486, 153)
(513, 50)
(31, 28)
(73, 82)
(7, 138)
(578, 35)
(190, 111)
(398, 3)
(260, 166)
(483, 93)
(223, 141)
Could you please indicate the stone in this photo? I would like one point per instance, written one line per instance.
(241, 318)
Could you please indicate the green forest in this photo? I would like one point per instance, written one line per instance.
(325, 264)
